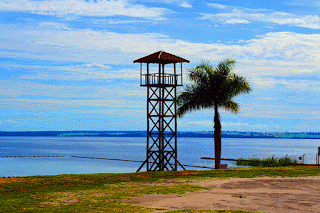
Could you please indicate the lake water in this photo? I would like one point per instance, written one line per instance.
(131, 148)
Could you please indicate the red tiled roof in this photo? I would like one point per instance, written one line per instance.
(161, 57)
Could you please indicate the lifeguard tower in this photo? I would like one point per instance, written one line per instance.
(161, 109)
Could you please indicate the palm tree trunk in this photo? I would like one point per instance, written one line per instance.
(217, 137)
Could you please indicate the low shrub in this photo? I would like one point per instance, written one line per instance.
(267, 162)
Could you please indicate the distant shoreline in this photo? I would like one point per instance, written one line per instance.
(182, 134)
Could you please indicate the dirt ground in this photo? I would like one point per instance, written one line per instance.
(254, 194)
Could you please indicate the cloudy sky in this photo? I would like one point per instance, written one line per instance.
(68, 64)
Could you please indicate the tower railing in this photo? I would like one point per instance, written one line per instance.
(160, 79)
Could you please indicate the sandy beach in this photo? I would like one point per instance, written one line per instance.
(254, 194)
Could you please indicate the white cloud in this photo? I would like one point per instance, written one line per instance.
(239, 15)
(309, 21)
(263, 82)
(67, 105)
(286, 45)
(292, 85)
(202, 123)
(272, 54)
(53, 25)
(108, 21)
(96, 65)
(280, 111)
(92, 71)
(218, 6)
(304, 3)
(234, 17)
(20, 88)
(237, 21)
(81, 7)
(12, 121)
(234, 125)
(304, 85)
(186, 5)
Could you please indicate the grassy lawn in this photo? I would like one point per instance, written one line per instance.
(104, 192)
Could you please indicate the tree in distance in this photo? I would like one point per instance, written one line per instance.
(213, 87)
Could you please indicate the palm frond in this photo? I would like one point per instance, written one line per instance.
(225, 67)
(198, 76)
(239, 85)
(212, 85)
(231, 106)
(205, 65)
(193, 98)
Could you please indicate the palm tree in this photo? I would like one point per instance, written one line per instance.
(214, 87)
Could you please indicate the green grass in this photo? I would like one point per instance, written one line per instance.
(104, 192)
(267, 162)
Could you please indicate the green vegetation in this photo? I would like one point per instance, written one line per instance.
(267, 162)
(213, 88)
(105, 192)
(181, 134)
(283, 135)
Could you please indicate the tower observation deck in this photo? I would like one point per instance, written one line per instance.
(161, 109)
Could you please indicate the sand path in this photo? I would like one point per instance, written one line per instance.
(254, 194)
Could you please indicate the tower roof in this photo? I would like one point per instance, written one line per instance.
(161, 57)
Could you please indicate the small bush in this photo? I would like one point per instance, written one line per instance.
(267, 162)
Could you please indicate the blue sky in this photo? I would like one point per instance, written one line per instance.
(68, 64)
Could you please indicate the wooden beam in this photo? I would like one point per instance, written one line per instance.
(209, 158)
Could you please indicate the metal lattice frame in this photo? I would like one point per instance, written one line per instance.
(162, 135)
(161, 120)
(161, 111)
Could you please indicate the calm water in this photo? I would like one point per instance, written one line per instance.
(132, 148)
